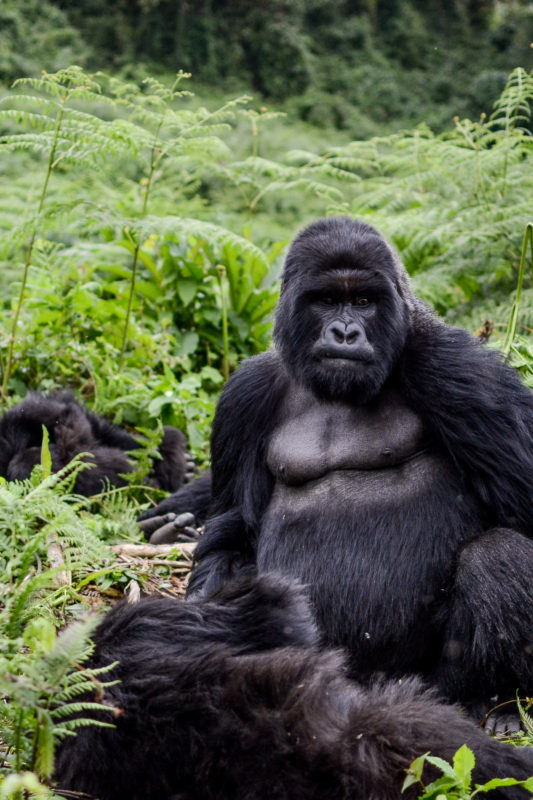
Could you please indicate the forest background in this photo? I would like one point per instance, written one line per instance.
(144, 215)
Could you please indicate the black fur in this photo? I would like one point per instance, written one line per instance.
(228, 697)
(194, 498)
(73, 429)
(433, 581)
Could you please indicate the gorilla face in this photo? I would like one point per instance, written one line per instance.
(342, 319)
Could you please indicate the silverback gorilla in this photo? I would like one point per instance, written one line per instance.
(228, 697)
(385, 460)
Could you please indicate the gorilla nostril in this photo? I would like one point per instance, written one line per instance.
(342, 333)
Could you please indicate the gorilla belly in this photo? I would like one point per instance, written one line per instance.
(372, 537)
(360, 542)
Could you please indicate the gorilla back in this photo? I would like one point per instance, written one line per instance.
(227, 697)
(386, 460)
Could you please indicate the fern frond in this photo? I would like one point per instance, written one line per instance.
(514, 104)
(77, 708)
(70, 727)
(526, 718)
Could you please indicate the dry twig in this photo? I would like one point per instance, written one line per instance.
(153, 550)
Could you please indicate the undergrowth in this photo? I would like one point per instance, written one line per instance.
(455, 783)
(44, 546)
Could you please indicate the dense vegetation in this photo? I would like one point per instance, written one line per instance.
(363, 66)
(142, 231)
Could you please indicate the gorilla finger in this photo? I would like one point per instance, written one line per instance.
(172, 532)
(188, 535)
(185, 519)
(164, 535)
(148, 526)
(503, 724)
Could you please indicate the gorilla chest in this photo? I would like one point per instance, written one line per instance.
(317, 439)
(365, 509)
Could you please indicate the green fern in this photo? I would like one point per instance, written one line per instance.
(64, 135)
(41, 683)
(42, 676)
(513, 107)
(163, 134)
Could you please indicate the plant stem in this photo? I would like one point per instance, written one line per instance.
(130, 304)
(18, 741)
(513, 319)
(155, 156)
(27, 263)
(221, 270)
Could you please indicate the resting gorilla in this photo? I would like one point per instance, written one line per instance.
(384, 459)
(74, 429)
(227, 697)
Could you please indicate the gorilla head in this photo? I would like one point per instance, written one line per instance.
(344, 309)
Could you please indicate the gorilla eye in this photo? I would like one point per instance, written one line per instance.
(329, 301)
(362, 301)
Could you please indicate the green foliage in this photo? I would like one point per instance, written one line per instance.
(36, 34)
(181, 297)
(526, 718)
(64, 134)
(513, 319)
(217, 40)
(163, 295)
(456, 780)
(41, 684)
(364, 67)
(43, 543)
(34, 512)
(162, 134)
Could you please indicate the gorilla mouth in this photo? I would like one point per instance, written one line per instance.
(346, 357)
(353, 355)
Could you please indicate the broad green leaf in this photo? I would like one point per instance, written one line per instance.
(187, 290)
(46, 457)
(443, 765)
(463, 764)
(497, 783)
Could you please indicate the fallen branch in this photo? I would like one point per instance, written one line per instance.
(153, 550)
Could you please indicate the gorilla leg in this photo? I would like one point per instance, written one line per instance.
(488, 650)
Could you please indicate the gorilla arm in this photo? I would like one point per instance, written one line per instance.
(241, 482)
(479, 409)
